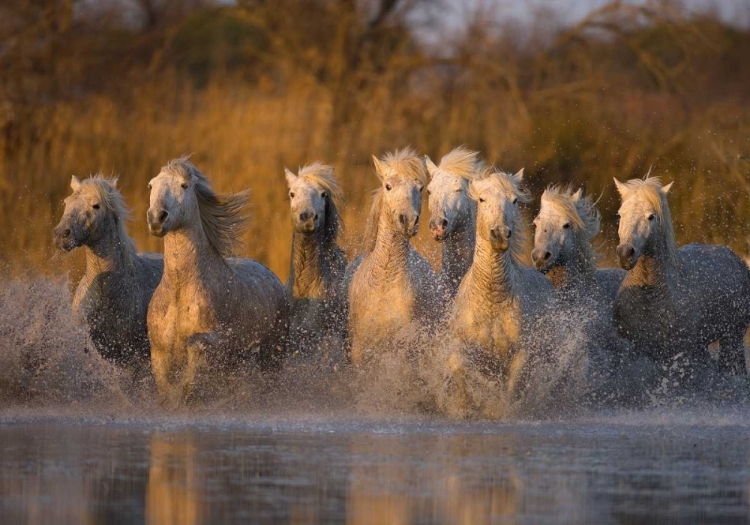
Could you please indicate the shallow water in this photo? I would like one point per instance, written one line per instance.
(688, 466)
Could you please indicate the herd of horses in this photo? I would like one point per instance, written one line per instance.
(198, 308)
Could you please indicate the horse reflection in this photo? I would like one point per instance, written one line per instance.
(173, 489)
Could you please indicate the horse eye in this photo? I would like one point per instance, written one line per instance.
(96, 206)
(429, 192)
(149, 185)
(515, 201)
(324, 195)
(184, 185)
(566, 225)
(388, 187)
(651, 217)
(291, 194)
(459, 190)
(481, 200)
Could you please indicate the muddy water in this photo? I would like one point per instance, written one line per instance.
(689, 466)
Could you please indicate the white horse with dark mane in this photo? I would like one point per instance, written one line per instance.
(499, 298)
(672, 300)
(317, 263)
(208, 310)
(453, 215)
(113, 295)
(391, 285)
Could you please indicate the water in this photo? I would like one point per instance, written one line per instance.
(81, 441)
(611, 468)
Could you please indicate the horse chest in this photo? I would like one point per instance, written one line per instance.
(494, 331)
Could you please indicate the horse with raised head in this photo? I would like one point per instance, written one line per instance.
(391, 285)
(209, 309)
(317, 263)
(565, 225)
(453, 215)
(113, 295)
(674, 300)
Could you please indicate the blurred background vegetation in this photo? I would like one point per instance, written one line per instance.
(251, 86)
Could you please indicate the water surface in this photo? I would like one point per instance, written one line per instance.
(630, 467)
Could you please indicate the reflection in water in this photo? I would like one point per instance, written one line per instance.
(364, 473)
(172, 491)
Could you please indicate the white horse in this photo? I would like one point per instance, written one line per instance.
(453, 215)
(566, 223)
(499, 298)
(317, 263)
(113, 295)
(392, 285)
(207, 309)
(677, 301)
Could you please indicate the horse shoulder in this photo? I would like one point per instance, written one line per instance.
(609, 281)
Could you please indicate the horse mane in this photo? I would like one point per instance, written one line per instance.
(650, 190)
(105, 188)
(221, 215)
(373, 220)
(461, 162)
(322, 175)
(520, 238)
(580, 211)
(407, 164)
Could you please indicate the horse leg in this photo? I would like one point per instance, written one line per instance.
(515, 374)
(732, 354)
(196, 347)
(458, 403)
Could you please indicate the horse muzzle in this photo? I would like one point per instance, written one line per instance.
(306, 222)
(626, 256)
(500, 238)
(156, 221)
(542, 259)
(65, 240)
(439, 229)
(409, 225)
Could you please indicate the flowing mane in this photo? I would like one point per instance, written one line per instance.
(321, 175)
(580, 211)
(461, 162)
(221, 215)
(406, 164)
(650, 190)
(509, 183)
(105, 189)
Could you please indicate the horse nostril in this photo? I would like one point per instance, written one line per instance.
(445, 223)
(510, 233)
(402, 219)
(547, 255)
(315, 217)
(66, 233)
(162, 217)
(494, 234)
(630, 251)
(305, 216)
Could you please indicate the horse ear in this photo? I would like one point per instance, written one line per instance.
(290, 177)
(431, 167)
(75, 183)
(577, 195)
(621, 188)
(379, 168)
(519, 175)
(667, 187)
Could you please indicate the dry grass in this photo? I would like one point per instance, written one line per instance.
(567, 112)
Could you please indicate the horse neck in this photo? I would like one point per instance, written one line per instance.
(391, 251)
(112, 254)
(309, 274)
(188, 252)
(458, 249)
(493, 273)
